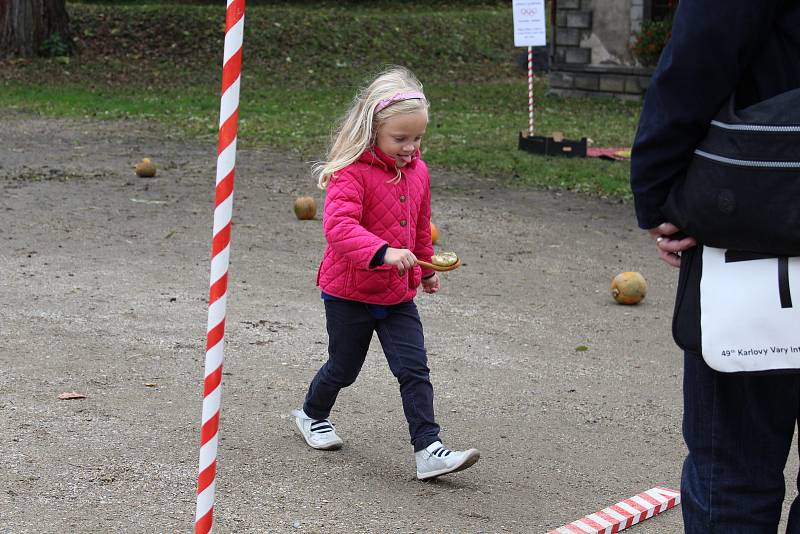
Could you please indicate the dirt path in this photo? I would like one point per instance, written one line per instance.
(104, 292)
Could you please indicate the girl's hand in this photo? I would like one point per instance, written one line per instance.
(402, 258)
(668, 244)
(431, 285)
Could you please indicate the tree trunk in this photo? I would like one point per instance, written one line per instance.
(26, 24)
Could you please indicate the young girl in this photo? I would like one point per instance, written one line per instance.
(376, 223)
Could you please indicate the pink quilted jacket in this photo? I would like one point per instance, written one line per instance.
(364, 211)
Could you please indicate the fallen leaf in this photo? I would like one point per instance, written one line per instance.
(71, 395)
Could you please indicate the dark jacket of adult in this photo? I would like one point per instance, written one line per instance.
(718, 47)
(750, 48)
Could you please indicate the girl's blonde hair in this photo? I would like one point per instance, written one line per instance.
(356, 130)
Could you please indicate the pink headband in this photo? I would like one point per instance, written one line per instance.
(398, 97)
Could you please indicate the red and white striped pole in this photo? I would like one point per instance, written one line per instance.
(220, 251)
(624, 514)
(530, 91)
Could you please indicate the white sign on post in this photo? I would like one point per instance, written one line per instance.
(529, 23)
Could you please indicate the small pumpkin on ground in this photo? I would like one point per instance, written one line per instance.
(628, 287)
(305, 208)
(145, 168)
(434, 234)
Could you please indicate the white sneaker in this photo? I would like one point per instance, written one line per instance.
(318, 433)
(436, 460)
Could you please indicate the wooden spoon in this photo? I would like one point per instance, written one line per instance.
(442, 262)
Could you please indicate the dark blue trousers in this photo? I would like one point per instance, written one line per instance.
(739, 430)
(350, 327)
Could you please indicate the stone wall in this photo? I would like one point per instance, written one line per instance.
(590, 52)
(586, 80)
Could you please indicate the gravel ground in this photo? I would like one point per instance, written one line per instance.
(104, 289)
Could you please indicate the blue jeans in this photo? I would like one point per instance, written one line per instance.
(350, 327)
(739, 430)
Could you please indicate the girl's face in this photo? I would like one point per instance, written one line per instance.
(400, 135)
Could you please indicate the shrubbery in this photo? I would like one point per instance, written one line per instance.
(647, 44)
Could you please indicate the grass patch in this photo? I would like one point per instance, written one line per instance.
(181, 45)
(162, 63)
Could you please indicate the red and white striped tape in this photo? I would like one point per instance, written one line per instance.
(220, 250)
(530, 91)
(624, 514)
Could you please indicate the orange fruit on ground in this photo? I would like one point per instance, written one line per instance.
(628, 288)
(434, 234)
(145, 168)
(305, 208)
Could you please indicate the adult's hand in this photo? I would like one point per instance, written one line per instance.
(669, 245)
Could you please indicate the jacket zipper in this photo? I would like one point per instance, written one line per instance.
(749, 163)
(755, 127)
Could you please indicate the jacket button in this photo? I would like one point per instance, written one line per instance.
(403, 222)
(402, 198)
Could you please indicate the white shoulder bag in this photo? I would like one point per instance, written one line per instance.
(749, 311)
